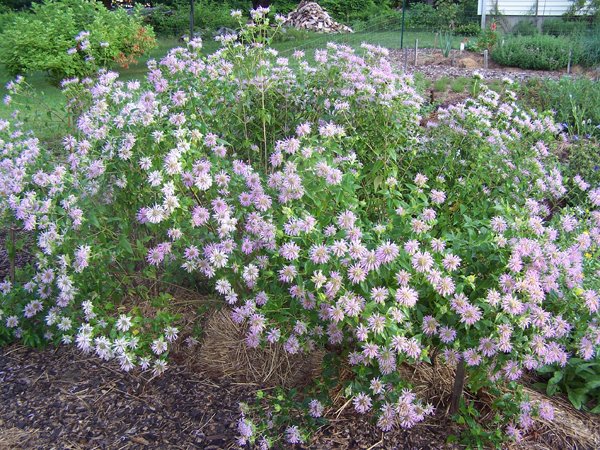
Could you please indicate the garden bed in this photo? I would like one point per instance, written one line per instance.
(434, 65)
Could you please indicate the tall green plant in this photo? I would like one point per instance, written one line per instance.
(67, 38)
(536, 52)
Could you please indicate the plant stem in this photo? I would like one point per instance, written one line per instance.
(12, 255)
(459, 384)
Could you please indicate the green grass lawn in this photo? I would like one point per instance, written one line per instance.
(43, 111)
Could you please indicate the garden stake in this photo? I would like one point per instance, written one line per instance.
(569, 63)
(416, 50)
(485, 59)
(457, 389)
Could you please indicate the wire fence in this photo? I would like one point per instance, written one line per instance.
(385, 32)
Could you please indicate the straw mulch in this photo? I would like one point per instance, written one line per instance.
(13, 438)
(224, 353)
(570, 429)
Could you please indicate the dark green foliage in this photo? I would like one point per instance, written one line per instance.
(349, 11)
(391, 20)
(18, 4)
(590, 49)
(536, 52)
(41, 40)
(579, 379)
(6, 17)
(424, 16)
(209, 15)
(561, 27)
(459, 17)
(468, 29)
(525, 28)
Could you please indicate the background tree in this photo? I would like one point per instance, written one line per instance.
(263, 3)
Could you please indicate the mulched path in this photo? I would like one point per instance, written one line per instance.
(58, 398)
(64, 399)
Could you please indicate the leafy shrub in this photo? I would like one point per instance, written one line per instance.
(175, 19)
(18, 4)
(525, 28)
(422, 16)
(322, 212)
(445, 16)
(6, 18)
(468, 29)
(50, 39)
(579, 380)
(349, 11)
(389, 20)
(486, 40)
(590, 49)
(535, 52)
(561, 27)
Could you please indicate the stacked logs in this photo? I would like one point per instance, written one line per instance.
(310, 16)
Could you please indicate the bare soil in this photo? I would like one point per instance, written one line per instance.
(433, 64)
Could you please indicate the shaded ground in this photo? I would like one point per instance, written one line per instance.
(59, 398)
(63, 399)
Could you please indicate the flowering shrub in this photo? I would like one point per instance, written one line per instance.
(320, 211)
(486, 39)
(50, 39)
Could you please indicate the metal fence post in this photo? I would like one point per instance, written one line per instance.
(402, 31)
(191, 20)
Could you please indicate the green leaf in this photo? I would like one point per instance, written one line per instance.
(576, 397)
(593, 384)
(556, 378)
(125, 245)
(94, 220)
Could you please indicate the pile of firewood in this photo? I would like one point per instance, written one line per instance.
(310, 16)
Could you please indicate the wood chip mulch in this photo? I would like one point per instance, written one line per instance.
(58, 398)
(61, 399)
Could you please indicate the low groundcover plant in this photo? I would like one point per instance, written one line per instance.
(320, 211)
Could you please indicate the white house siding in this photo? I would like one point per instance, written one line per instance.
(526, 7)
